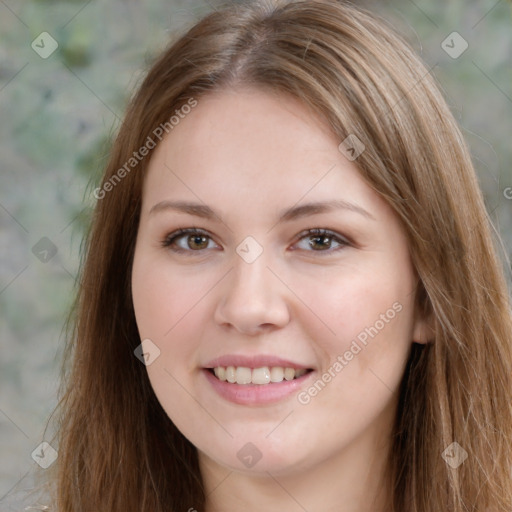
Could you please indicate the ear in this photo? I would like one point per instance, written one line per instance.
(423, 331)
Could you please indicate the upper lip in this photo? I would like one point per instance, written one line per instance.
(255, 361)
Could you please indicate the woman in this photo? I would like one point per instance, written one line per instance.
(290, 298)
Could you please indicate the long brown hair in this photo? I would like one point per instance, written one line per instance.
(119, 451)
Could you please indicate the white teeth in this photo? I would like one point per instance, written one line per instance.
(276, 374)
(243, 375)
(220, 372)
(231, 374)
(289, 373)
(263, 375)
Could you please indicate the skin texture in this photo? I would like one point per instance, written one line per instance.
(248, 154)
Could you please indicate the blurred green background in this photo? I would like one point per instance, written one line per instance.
(58, 113)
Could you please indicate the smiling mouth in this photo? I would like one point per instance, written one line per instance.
(259, 376)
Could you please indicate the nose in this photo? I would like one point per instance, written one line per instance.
(252, 299)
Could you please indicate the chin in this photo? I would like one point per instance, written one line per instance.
(260, 457)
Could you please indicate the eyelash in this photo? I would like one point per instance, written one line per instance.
(170, 239)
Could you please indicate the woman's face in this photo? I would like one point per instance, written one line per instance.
(308, 333)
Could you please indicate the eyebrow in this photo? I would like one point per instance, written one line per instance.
(287, 215)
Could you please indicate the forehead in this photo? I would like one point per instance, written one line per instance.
(252, 147)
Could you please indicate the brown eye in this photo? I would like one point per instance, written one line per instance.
(197, 241)
(322, 240)
(187, 240)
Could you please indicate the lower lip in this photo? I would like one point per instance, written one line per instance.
(256, 394)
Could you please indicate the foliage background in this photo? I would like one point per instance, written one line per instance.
(58, 115)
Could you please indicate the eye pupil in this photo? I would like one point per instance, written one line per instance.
(324, 245)
(195, 239)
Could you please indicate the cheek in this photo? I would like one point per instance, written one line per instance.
(365, 359)
(172, 309)
(361, 306)
(165, 300)
(167, 307)
(370, 332)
